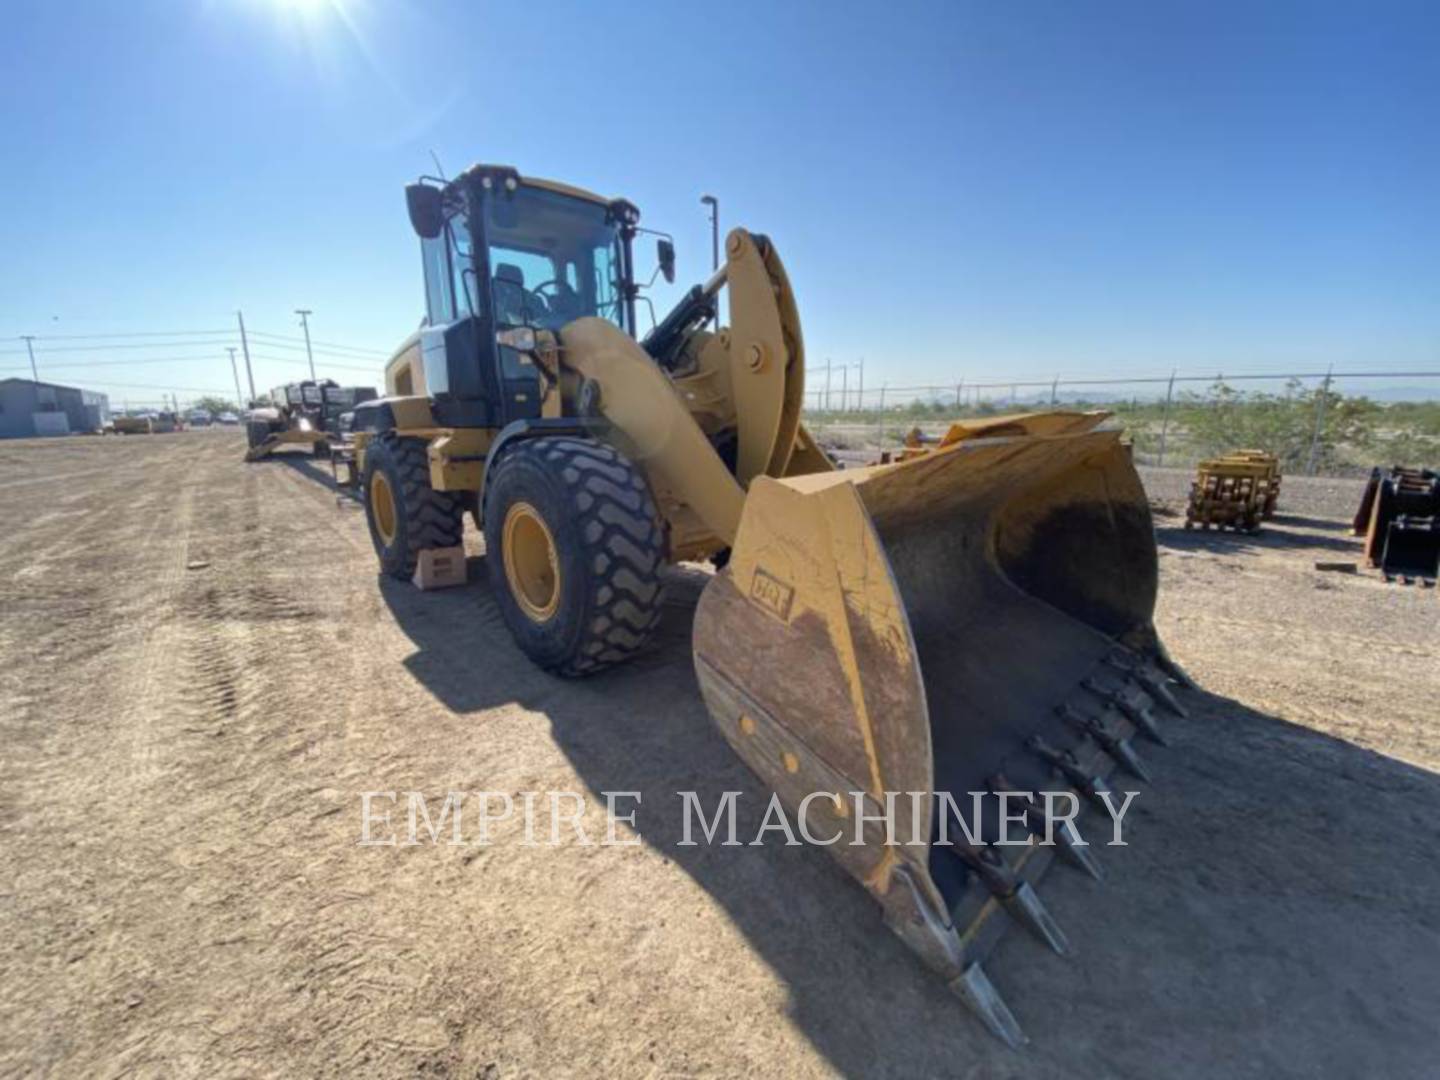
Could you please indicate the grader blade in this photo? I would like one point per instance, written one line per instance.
(972, 620)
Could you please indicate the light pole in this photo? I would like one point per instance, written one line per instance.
(714, 205)
(239, 397)
(305, 314)
(29, 340)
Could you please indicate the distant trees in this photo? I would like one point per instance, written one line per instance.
(215, 405)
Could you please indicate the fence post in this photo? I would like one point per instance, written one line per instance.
(1319, 421)
(1165, 418)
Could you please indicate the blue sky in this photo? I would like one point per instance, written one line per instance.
(977, 190)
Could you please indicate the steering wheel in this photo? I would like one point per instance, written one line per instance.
(563, 293)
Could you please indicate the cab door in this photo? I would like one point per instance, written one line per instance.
(457, 343)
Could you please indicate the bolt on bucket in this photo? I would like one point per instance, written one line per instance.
(974, 619)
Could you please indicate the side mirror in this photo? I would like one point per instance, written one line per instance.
(427, 216)
(665, 251)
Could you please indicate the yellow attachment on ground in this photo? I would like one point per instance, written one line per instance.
(916, 626)
(1236, 490)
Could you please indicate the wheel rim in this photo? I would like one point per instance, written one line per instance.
(532, 566)
(382, 506)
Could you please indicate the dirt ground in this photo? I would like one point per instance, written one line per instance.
(200, 673)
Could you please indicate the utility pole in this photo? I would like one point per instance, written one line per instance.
(305, 314)
(714, 205)
(1319, 421)
(827, 384)
(1054, 387)
(844, 385)
(245, 347)
(29, 340)
(960, 395)
(1165, 417)
(239, 397)
(860, 390)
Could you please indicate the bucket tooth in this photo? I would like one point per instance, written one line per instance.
(1171, 668)
(1138, 712)
(1117, 747)
(979, 994)
(1145, 721)
(1014, 895)
(1091, 786)
(1154, 684)
(1127, 758)
(1076, 854)
(1025, 908)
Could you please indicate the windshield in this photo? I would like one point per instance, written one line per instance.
(553, 258)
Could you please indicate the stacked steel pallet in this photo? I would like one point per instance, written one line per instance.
(1237, 490)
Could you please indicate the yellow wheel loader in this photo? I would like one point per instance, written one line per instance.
(974, 619)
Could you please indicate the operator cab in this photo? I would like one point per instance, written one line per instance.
(504, 257)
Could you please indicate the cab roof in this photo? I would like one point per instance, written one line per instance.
(480, 169)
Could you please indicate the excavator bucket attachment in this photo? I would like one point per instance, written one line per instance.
(972, 620)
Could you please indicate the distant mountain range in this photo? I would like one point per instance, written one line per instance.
(1103, 395)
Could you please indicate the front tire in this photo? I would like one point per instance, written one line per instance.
(405, 514)
(574, 547)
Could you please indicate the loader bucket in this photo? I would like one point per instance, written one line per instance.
(974, 619)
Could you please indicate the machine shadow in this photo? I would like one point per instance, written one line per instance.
(1237, 886)
(310, 467)
(1272, 536)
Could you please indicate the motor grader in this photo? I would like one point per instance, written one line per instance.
(975, 618)
(306, 413)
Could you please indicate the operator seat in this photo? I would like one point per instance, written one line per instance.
(511, 296)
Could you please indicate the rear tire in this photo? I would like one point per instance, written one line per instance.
(579, 586)
(405, 514)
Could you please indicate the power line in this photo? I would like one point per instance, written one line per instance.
(115, 363)
(110, 348)
(372, 368)
(126, 334)
(378, 358)
(166, 386)
(317, 341)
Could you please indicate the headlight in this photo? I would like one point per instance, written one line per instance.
(304, 424)
(521, 337)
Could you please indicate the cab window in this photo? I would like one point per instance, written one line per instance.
(462, 272)
(439, 306)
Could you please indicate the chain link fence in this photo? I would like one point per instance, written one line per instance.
(1320, 423)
